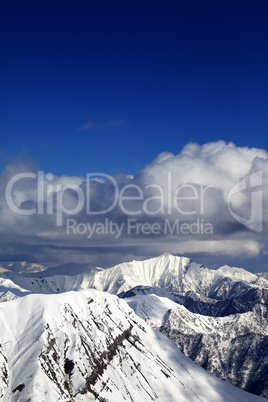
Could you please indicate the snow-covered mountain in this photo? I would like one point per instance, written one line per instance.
(220, 292)
(177, 275)
(263, 275)
(88, 346)
(9, 290)
(233, 348)
(200, 306)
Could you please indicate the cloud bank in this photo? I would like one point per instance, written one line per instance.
(208, 202)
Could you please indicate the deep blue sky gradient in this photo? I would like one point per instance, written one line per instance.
(175, 72)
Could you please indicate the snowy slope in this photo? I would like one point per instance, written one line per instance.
(152, 309)
(221, 292)
(263, 275)
(172, 273)
(175, 274)
(88, 346)
(53, 280)
(9, 290)
(233, 348)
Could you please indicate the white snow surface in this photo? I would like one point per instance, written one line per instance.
(152, 309)
(172, 273)
(115, 355)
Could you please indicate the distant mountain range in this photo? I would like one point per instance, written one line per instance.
(20, 267)
(218, 318)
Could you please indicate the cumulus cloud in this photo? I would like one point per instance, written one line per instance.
(206, 200)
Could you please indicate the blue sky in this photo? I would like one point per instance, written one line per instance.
(142, 88)
(143, 76)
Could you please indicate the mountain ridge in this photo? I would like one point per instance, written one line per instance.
(87, 346)
(193, 294)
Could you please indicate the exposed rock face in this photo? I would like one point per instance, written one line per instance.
(233, 348)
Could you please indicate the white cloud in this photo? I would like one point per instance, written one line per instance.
(231, 248)
(218, 164)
